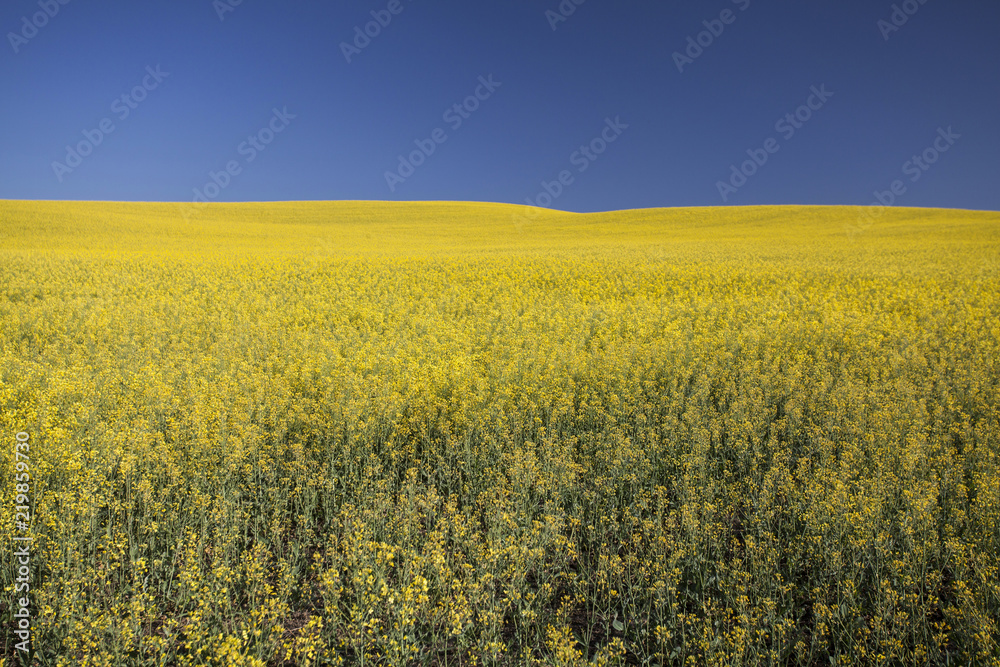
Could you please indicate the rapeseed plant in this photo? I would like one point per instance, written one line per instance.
(388, 434)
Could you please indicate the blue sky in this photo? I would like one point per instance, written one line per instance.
(597, 106)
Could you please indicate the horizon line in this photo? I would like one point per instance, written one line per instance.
(486, 203)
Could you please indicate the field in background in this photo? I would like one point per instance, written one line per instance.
(448, 433)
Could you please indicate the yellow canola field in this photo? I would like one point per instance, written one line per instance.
(451, 433)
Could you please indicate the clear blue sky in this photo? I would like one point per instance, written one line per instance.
(224, 73)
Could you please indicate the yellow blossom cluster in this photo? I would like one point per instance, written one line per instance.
(453, 434)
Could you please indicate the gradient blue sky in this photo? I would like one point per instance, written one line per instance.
(352, 120)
